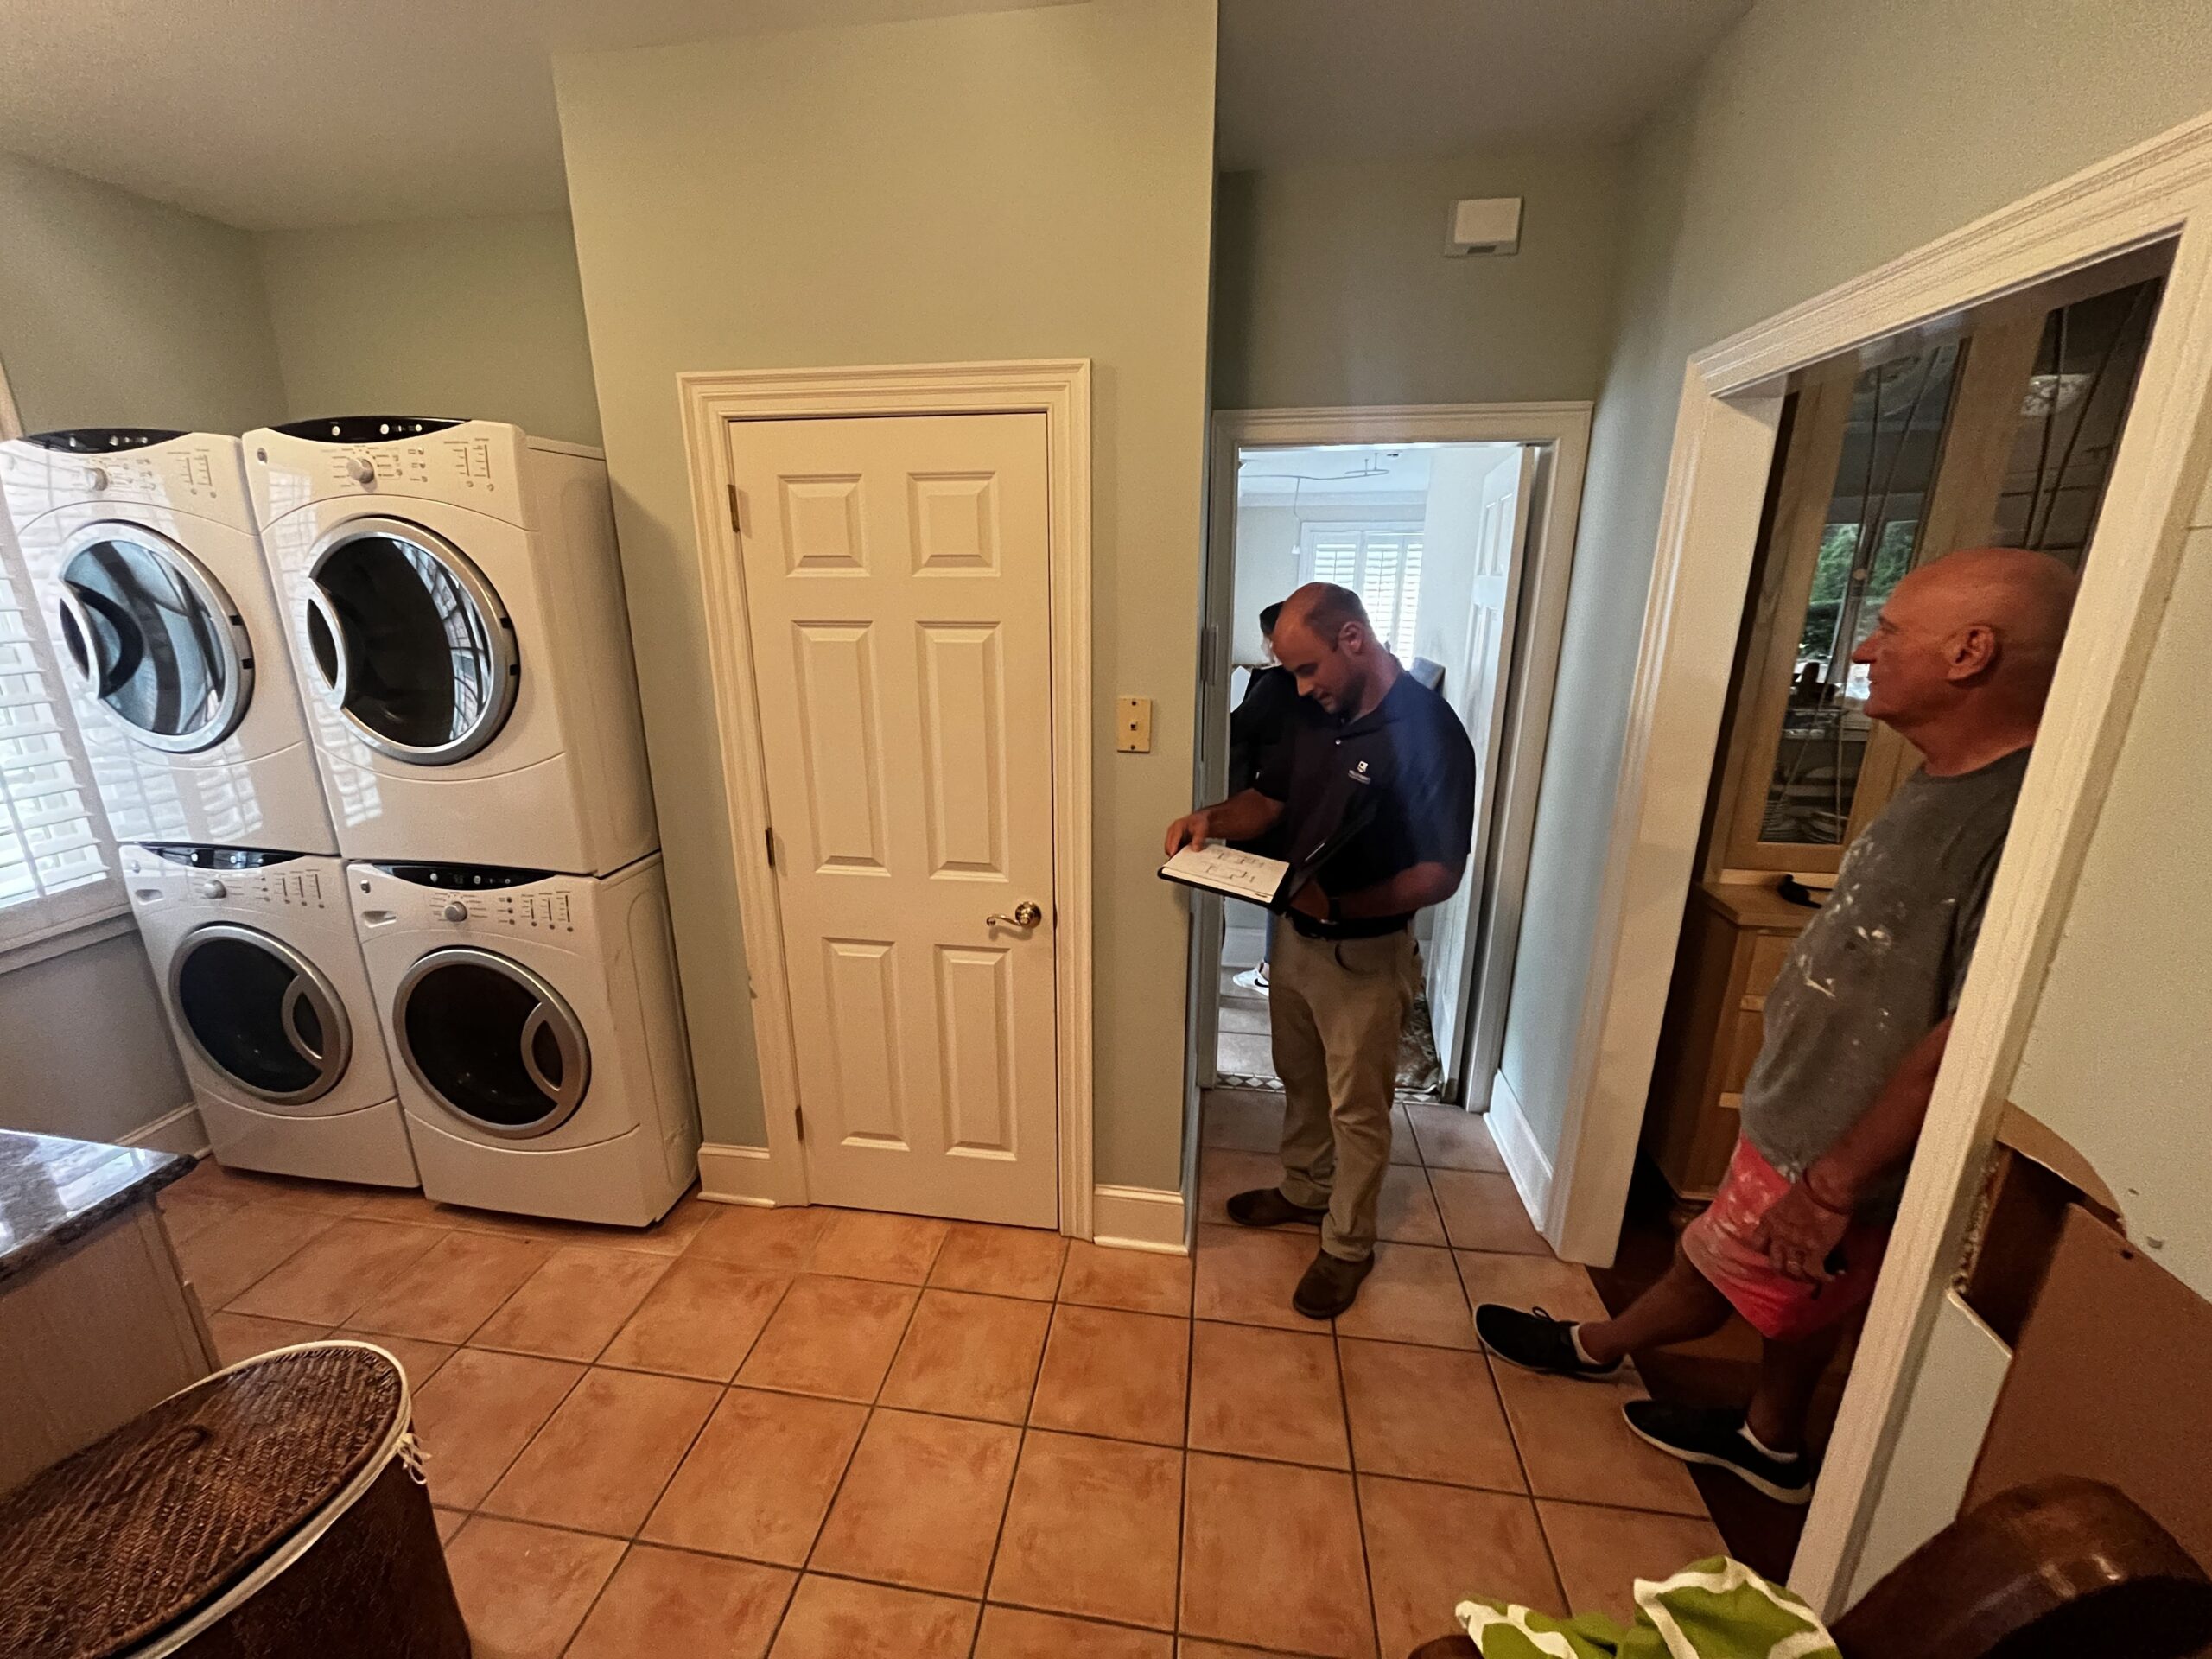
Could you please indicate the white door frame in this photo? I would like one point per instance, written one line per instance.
(1723, 442)
(1562, 430)
(1059, 390)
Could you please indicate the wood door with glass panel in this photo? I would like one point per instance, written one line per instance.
(897, 586)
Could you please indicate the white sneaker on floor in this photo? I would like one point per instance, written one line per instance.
(1254, 979)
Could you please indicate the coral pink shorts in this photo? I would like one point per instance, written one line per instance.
(1718, 1245)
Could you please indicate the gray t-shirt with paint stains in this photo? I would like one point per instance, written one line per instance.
(1881, 964)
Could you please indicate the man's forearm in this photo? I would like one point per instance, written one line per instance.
(1243, 816)
(1408, 890)
(1885, 1137)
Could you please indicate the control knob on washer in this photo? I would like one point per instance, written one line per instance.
(454, 911)
(213, 888)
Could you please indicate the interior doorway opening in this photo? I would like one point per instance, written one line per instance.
(1996, 426)
(1428, 535)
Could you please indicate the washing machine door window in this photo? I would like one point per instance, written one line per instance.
(409, 641)
(148, 631)
(260, 1013)
(493, 1041)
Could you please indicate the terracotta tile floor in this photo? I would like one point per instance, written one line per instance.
(804, 1433)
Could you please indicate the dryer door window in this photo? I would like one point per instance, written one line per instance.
(493, 1042)
(260, 1013)
(151, 633)
(409, 641)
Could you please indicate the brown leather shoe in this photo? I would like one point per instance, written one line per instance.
(1265, 1206)
(1330, 1286)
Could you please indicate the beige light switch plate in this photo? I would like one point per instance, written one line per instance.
(1133, 725)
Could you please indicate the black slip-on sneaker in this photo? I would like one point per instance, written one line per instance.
(1265, 1206)
(1535, 1341)
(1330, 1286)
(1716, 1437)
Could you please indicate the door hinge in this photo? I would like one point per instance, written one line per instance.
(799, 1116)
(736, 510)
(769, 836)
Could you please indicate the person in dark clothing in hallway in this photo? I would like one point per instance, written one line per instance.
(1959, 663)
(1260, 720)
(1383, 784)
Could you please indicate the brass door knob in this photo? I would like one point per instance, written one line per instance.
(1026, 914)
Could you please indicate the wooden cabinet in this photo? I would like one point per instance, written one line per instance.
(1735, 938)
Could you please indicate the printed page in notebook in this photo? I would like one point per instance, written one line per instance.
(1224, 869)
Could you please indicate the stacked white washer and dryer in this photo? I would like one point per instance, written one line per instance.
(146, 565)
(455, 612)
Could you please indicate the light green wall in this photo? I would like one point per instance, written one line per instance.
(475, 317)
(1024, 184)
(116, 310)
(1332, 288)
(1818, 142)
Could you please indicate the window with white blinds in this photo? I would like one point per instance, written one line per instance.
(57, 865)
(1380, 562)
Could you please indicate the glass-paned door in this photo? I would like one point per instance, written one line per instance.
(1892, 439)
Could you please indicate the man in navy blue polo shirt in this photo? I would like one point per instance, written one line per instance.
(1379, 797)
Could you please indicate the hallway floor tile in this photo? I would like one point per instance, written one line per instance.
(782, 1433)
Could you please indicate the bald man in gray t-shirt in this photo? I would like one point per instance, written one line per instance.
(1960, 662)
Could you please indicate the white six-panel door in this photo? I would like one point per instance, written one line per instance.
(1501, 535)
(897, 585)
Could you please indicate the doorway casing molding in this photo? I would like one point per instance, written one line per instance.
(1561, 432)
(1059, 389)
(1723, 448)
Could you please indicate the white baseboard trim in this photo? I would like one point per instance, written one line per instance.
(731, 1175)
(179, 1131)
(1138, 1219)
(1525, 1160)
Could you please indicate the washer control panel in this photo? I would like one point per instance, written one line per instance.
(233, 877)
(473, 896)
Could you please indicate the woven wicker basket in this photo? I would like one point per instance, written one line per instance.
(271, 1510)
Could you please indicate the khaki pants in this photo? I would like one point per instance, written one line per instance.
(1337, 1009)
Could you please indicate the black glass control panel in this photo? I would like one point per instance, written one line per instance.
(465, 878)
(217, 858)
(99, 440)
(365, 428)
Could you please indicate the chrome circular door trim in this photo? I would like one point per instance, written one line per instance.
(497, 627)
(552, 1014)
(231, 639)
(308, 986)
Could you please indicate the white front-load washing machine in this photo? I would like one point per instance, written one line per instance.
(540, 1044)
(262, 977)
(146, 565)
(456, 618)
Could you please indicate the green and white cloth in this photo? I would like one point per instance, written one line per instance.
(1718, 1609)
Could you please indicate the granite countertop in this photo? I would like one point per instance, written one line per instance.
(53, 1190)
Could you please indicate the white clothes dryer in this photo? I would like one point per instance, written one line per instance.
(456, 616)
(541, 1049)
(262, 978)
(147, 566)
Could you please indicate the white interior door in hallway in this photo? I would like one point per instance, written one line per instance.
(1494, 515)
(897, 583)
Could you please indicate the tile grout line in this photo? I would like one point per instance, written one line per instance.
(858, 1439)
(1351, 1474)
(1020, 1448)
(1182, 1459)
(675, 1468)
(632, 1542)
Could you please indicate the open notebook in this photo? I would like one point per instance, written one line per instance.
(1269, 882)
(1224, 869)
